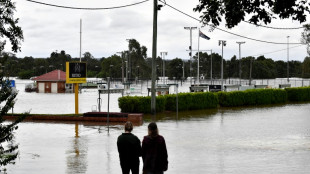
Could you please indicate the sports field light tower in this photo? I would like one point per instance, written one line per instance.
(223, 43)
(190, 48)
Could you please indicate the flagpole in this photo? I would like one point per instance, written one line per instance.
(198, 56)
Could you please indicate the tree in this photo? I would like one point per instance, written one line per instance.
(175, 69)
(305, 37)
(235, 11)
(9, 30)
(8, 26)
(306, 67)
(7, 147)
(112, 67)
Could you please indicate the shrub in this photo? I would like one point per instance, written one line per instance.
(252, 97)
(187, 101)
(298, 94)
(138, 104)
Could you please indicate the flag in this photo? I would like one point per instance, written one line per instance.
(203, 35)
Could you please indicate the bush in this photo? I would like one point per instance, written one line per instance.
(138, 104)
(298, 94)
(205, 100)
(252, 97)
(187, 101)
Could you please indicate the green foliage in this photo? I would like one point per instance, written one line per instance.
(91, 73)
(300, 94)
(206, 100)
(138, 104)
(25, 74)
(252, 97)
(305, 37)
(187, 101)
(255, 11)
(7, 146)
(8, 26)
(199, 100)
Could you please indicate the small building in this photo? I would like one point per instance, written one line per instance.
(53, 82)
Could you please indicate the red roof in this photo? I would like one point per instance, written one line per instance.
(56, 75)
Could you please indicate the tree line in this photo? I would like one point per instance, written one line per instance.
(135, 62)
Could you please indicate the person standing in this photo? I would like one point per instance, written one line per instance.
(154, 152)
(129, 149)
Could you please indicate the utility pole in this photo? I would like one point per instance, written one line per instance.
(223, 43)
(250, 71)
(288, 66)
(128, 59)
(183, 70)
(240, 60)
(154, 50)
(163, 57)
(190, 47)
(122, 57)
(211, 69)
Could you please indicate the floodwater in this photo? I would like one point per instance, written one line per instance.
(267, 139)
(233, 140)
(43, 103)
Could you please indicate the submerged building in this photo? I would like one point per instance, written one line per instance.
(53, 82)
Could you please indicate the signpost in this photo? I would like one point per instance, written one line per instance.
(76, 73)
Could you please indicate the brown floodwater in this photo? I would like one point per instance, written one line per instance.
(258, 140)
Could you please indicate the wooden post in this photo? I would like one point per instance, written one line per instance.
(76, 91)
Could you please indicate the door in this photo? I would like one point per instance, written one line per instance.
(54, 88)
(41, 87)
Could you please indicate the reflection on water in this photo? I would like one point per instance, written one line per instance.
(77, 155)
(226, 140)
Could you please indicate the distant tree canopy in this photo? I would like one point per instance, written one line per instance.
(235, 11)
(139, 67)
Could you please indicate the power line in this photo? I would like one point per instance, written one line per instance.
(276, 51)
(228, 31)
(276, 28)
(82, 8)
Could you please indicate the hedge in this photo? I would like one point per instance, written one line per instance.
(205, 100)
(191, 101)
(252, 97)
(300, 94)
(138, 104)
(187, 101)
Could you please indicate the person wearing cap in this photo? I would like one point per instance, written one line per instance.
(129, 149)
(154, 152)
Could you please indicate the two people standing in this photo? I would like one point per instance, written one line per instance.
(153, 151)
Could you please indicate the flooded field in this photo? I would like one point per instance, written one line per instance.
(48, 103)
(239, 140)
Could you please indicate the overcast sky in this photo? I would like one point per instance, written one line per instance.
(104, 32)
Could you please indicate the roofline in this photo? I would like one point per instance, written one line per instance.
(50, 80)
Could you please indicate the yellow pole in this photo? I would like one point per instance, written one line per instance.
(76, 91)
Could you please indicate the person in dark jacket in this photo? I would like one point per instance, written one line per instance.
(154, 152)
(129, 149)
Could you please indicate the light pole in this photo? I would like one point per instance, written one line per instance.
(163, 54)
(121, 53)
(288, 66)
(111, 71)
(126, 70)
(128, 58)
(223, 43)
(240, 60)
(190, 47)
(138, 71)
(183, 71)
